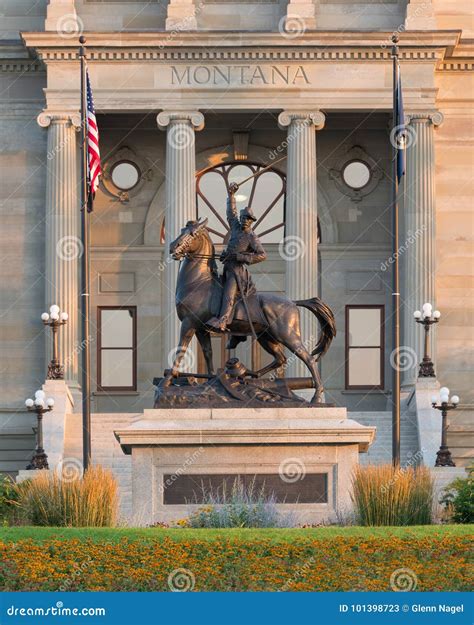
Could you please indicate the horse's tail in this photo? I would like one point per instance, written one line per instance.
(326, 320)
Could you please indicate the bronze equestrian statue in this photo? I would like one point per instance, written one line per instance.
(273, 319)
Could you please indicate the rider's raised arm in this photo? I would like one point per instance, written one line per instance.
(232, 215)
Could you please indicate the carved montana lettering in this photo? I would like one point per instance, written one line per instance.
(237, 75)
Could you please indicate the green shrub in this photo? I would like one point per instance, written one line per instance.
(91, 501)
(243, 506)
(459, 499)
(384, 495)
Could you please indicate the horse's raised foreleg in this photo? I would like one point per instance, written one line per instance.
(186, 333)
(206, 346)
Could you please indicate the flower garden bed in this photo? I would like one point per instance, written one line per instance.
(320, 559)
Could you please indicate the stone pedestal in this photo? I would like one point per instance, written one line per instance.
(63, 240)
(306, 455)
(180, 205)
(419, 235)
(443, 476)
(54, 422)
(23, 474)
(300, 250)
(428, 420)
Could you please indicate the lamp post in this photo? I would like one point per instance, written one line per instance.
(443, 457)
(54, 319)
(426, 317)
(40, 405)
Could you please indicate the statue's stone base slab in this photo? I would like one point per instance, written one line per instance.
(304, 455)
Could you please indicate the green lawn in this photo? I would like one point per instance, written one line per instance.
(39, 534)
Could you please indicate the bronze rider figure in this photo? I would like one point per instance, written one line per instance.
(243, 249)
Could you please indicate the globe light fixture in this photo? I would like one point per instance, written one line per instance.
(54, 319)
(39, 405)
(426, 317)
(444, 405)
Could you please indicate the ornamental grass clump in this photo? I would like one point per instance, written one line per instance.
(244, 505)
(89, 501)
(383, 495)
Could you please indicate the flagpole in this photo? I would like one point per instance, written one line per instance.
(85, 270)
(395, 274)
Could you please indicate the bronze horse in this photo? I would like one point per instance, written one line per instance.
(198, 295)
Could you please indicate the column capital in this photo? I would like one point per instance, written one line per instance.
(434, 117)
(46, 118)
(195, 118)
(314, 118)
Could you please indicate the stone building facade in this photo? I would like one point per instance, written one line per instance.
(191, 93)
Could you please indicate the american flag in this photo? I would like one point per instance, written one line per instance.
(93, 154)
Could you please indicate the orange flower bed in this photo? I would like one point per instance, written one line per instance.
(306, 564)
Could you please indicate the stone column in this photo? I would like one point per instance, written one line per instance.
(63, 235)
(180, 202)
(300, 249)
(181, 15)
(419, 237)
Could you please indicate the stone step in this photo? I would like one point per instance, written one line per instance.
(381, 449)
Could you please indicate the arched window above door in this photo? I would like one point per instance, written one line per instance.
(265, 193)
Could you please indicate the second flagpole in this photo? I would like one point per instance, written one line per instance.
(85, 271)
(395, 274)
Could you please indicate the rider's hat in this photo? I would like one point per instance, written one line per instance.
(248, 213)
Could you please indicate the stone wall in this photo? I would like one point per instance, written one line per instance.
(23, 165)
(454, 228)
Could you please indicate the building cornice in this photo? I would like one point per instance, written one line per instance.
(456, 65)
(21, 66)
(237, 46)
